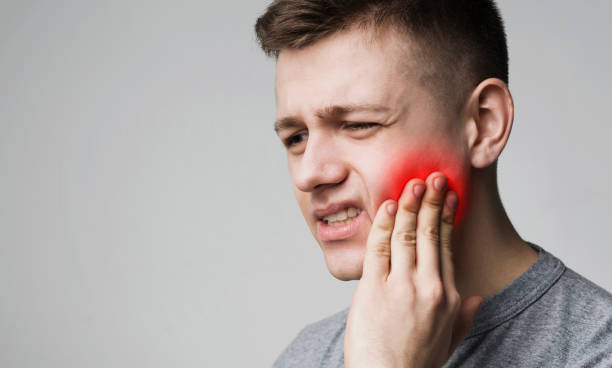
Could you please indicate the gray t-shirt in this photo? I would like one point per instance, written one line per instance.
(548, 317)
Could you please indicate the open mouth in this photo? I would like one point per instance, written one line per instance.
(341, 224)
(342, 217)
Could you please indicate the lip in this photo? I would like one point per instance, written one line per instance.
(335, 207)
(333, 233)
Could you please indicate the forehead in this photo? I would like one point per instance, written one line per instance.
(351, 67)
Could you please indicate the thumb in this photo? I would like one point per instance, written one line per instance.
(464, 321)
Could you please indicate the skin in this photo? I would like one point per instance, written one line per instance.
(331, 159)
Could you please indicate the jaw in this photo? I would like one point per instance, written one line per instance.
(344, 258)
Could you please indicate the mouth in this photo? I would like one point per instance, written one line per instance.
(340, 221)
(342, 217)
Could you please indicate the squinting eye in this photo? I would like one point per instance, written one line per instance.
(359, 126)
(295, 139)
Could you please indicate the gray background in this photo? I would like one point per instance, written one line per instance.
(146, 213)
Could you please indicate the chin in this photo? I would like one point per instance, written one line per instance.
(344, 259)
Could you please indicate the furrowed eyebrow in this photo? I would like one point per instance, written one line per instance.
(286, 123)
(327, 113)
(336, 110)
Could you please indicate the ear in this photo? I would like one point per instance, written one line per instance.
(490, 113)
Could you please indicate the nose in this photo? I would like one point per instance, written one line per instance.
(320, 165)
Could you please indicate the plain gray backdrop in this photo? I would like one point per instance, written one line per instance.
(146, 212)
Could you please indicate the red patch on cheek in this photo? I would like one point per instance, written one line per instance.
(419, 163)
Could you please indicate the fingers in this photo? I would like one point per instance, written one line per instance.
(428, 229)
(446, 234)
(404, 238)
(377, 256)
(415, 233)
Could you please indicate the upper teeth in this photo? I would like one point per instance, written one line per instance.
(342, 214)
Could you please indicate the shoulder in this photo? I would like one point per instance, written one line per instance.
(586, 310)
(550, 316)
(582, 298)
(313, 341)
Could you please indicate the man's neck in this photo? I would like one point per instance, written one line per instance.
(488, 252)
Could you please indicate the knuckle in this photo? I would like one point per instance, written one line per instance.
(454, 300)
(408, 206)
(406, 238)
(408, 295)
(431, 232)
(406, 290)
(434, 202)
(385, 226)
(448, 218)
(445, 244)
(435, 294)
(380, 249)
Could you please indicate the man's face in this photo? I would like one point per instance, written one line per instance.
(359, 125)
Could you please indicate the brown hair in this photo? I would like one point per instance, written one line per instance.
(460, 42)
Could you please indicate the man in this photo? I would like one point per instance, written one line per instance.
(393, 114)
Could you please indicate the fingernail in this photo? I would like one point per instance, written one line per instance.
(439, 183)
(392, 208)
(418, 190)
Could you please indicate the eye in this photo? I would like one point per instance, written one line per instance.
(359, 126)
(295, 139)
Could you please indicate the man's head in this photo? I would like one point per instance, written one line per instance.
(455, 45)
(373, 93)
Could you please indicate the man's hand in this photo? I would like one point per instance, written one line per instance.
(406, 311)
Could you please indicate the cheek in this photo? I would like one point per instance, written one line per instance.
(419, 163)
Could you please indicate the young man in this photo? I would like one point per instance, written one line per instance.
(393, 114)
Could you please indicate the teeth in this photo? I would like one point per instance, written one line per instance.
(342, 216)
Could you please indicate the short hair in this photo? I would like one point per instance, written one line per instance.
(460, 43)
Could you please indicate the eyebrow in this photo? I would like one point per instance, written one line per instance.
(328, 112)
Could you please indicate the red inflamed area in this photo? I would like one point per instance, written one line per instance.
(422, 162)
